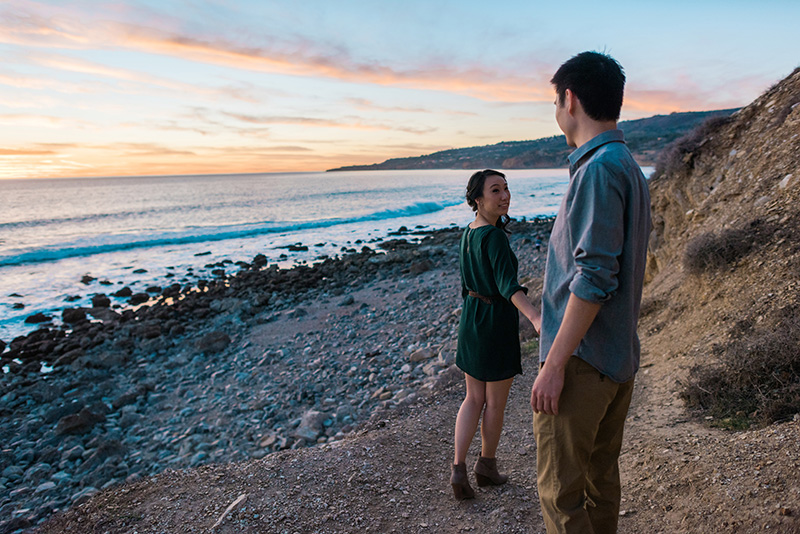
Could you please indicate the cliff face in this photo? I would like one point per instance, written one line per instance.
(724, 264)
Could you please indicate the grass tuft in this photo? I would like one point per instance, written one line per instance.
(713, 251)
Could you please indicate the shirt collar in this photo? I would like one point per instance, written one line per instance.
(609, 136)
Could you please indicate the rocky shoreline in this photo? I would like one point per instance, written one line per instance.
(233, 368)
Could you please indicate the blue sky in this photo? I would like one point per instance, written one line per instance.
(91, 88)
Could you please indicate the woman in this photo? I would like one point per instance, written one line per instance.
(488, 333)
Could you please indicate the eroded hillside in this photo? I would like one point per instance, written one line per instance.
(724, 267)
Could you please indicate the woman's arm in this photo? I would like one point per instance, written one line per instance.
(520, 300)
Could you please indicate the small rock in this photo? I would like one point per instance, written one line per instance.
(87, 279)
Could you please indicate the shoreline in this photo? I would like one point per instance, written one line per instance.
(254, 363)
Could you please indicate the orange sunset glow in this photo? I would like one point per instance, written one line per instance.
(144, 88)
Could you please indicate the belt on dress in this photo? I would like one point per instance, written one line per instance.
(484, 298)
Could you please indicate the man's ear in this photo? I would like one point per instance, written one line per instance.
(570, 102)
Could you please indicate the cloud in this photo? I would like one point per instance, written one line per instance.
(348, 123)
(30, 82)
(363, 103)
(298, 57)
(25, 152)
(38, 121)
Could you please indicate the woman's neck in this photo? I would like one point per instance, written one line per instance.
(482, 220)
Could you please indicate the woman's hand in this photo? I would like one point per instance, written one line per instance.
(520, 300)
(536, 320)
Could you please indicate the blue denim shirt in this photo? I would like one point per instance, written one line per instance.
(598, 251)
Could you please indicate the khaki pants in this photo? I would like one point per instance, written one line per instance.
(578, 451)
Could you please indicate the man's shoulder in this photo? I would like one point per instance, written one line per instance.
(613, 160)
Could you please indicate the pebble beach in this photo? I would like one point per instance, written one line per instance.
(236, 367)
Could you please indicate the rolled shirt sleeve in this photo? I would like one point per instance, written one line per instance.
(504, 264)
(597, 238)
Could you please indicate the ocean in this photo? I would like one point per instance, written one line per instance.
(57, 234)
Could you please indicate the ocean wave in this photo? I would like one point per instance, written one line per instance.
(123, 215)
(101, 244)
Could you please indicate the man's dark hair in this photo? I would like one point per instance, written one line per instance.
(597, 80)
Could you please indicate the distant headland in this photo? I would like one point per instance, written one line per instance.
(645, 137)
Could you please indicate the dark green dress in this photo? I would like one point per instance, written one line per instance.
(488, 334)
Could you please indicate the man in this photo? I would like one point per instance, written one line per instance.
(589, 349)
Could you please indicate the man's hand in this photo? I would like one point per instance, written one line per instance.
(547, 389)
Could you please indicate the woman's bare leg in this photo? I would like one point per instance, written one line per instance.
(468, 417)
(496, 396)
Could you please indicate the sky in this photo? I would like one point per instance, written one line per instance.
(164, 87)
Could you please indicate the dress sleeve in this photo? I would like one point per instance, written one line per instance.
(596, 227)
(504, 265)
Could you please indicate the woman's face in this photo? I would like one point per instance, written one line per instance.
(496, 198)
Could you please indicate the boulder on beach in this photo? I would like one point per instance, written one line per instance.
(259, 260)
(37, 318)
(421, 355)
(101, 301)
(106, 315)
(124, 292)
(138, 298)
(213, 342)
(311, 425)
(73, 315)
(78, 423)
(419, 267)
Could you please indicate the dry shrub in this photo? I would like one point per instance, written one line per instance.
(678, 156)
(714, 251)
(757, 379)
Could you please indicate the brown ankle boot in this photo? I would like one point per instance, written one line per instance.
(486, 472)
(458, 479)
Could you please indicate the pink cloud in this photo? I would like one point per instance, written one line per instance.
(299, 58)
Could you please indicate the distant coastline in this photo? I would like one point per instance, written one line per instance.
(645, 137)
